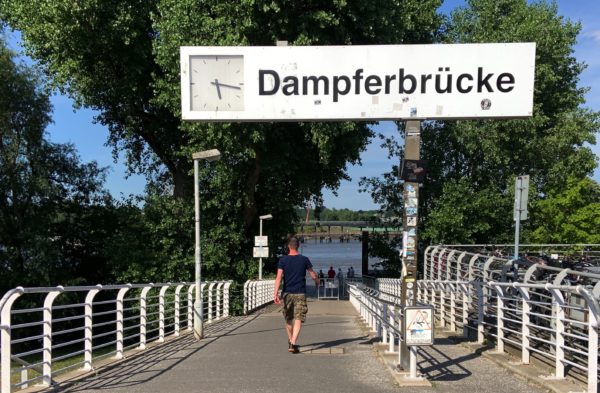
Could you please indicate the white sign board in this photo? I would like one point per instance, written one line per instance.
(261, 241)
(418, 325)
(304, 83)
(260, 252)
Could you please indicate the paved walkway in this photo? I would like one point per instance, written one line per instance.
(249, 354)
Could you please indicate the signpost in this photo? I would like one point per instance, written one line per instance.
(520, 211)
(366, 83)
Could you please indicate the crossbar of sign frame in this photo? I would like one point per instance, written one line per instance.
(373, 82)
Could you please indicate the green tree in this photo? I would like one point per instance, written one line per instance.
(479, 160)
(571, 215)
(469, 189)
(122, 59)
(44, 189)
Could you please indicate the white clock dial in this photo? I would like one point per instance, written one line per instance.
(217, 83)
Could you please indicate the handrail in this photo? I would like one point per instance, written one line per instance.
(91, 322)
(258, 293)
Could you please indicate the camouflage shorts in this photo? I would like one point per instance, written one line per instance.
(294, 306)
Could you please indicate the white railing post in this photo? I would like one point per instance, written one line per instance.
(143, 320)
(219, 299)
(211, 306)
(593, 307)
(401, 345)
(246, 297)
(384, 328)
(5, 337)
(190, 306)
(480, 310)
(88, 325)
(525, 320)
(120, 317)
(177, 316)
(452, 306)
(592, 365)
(226, 299)
(24, 377)
(559, 313)
(391, 334)
(500, 319)
(47, 341)
(161, 313)
(467, 304)
(203, 297)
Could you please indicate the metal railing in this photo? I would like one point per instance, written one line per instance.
(443, 263)
(330, 288)
(383, 315)
(47, 331)
(257, 293)
(557, 323)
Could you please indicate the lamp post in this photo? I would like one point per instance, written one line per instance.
(208, 155)
(261, 218)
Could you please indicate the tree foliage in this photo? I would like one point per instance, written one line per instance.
(469, 190)
(122, 59)
(570, 215)
(47, 195)
(479, 160)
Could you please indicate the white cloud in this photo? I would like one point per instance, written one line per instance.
(593, 34)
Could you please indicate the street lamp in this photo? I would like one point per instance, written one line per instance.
(261, 218)
(208, 155)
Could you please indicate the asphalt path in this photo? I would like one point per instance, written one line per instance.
(249, 354)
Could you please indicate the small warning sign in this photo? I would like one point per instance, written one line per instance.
(418, 325)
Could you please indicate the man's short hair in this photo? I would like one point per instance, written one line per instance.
(293, 242)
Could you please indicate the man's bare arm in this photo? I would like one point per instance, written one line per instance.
(314, 276)
(277, 284)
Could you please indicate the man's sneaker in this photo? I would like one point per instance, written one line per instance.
(290, 347)
(295, 349)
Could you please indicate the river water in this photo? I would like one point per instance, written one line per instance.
(336, 254)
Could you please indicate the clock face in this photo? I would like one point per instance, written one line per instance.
(217, 83)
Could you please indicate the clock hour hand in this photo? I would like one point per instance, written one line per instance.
(216, 83)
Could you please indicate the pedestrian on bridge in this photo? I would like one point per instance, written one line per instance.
(292, 268)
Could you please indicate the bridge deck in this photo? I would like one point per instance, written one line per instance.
(249, 354)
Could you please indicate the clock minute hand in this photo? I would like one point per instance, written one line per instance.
(217, 84)
(230, 86)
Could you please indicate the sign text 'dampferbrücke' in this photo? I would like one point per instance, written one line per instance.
(357, 82)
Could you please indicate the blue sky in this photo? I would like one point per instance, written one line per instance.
(77, 127)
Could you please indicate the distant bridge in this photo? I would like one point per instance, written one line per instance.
(344, 231)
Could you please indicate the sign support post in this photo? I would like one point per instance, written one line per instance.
(412, 151)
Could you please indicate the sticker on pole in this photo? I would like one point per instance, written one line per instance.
(418, 325)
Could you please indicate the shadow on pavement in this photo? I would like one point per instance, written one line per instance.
(144, 367)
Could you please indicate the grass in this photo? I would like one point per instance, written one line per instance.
(58, 365)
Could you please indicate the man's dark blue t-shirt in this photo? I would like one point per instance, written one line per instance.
(294, 272)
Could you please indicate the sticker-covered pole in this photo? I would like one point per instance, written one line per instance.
(411, 175)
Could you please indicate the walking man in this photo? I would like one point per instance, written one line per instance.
(292, 268)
